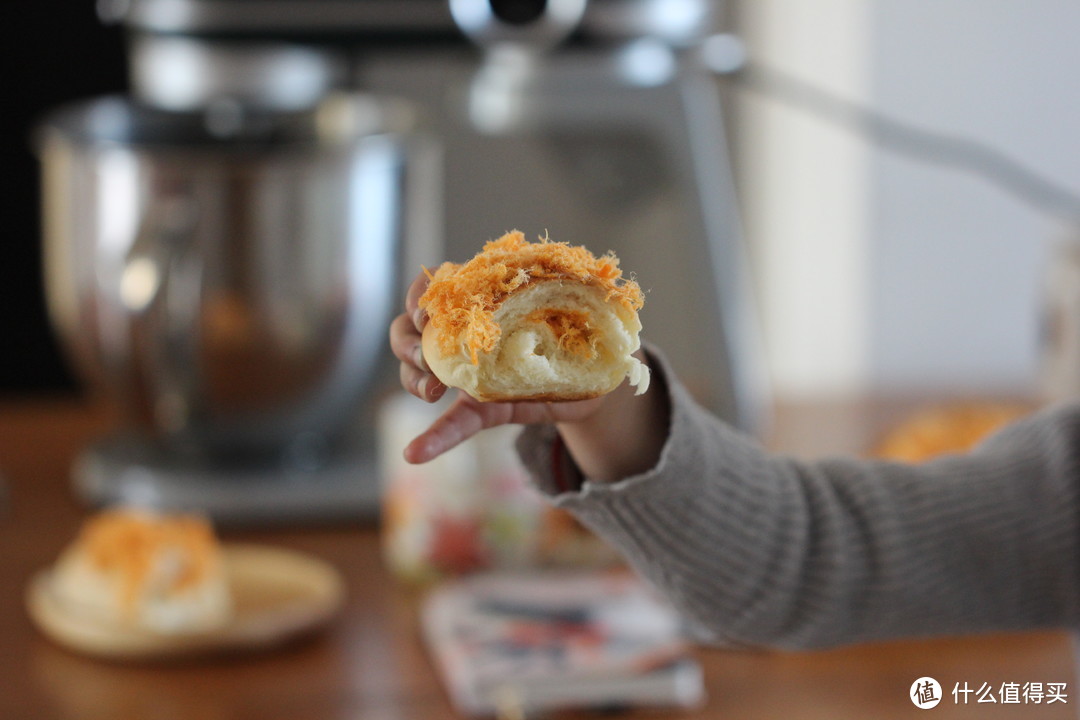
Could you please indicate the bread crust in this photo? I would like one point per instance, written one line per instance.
(439, 364)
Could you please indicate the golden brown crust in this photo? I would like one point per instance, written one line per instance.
(436, 360)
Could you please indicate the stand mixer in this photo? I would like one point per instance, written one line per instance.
(272, 185)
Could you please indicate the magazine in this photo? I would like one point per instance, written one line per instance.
(508, 645)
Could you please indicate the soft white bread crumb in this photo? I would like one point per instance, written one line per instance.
(534, 360)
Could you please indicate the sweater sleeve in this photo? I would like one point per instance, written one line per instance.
(764, 550)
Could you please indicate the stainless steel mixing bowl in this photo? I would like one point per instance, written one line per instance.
(226, 275)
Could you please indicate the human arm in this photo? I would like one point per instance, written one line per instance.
(763, 550)
(760, 549)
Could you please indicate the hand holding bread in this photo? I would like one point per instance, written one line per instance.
(532, 332)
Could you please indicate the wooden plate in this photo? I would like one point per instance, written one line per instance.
(277, 595)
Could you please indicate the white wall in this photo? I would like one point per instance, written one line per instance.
(955, 262)
(880, 272)
(804, 193)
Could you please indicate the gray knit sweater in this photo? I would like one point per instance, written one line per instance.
(764, 550)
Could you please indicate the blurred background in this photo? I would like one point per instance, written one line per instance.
(829, 201)
(897, 271)
(874, 271)
(73, 56)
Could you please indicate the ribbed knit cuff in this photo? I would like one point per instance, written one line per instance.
(545, 456)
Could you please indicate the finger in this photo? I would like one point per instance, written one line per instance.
(405, 342)
(529, 413)
(465, 418)
(412, 298)
(423, 385)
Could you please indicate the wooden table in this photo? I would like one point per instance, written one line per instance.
(370, 662)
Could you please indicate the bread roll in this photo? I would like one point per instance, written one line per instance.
(540, 321)
(947, 429)
(139, 569)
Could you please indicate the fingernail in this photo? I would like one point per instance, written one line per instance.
(422, 386)
(418, 358)
(419, 318)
